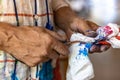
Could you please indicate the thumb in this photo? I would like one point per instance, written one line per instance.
(93, 25)
(80, 25)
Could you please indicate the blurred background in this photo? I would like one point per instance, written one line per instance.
(106, 64)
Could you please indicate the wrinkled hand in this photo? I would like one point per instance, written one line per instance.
(69, 22)
(33, 45)
(86, 27)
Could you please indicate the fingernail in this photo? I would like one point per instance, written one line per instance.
(92, 49)
(104, 48)
(95, 48)
(91, 33)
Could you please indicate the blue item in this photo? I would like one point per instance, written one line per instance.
(47, 70)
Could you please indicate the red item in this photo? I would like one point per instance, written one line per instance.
(118, 37)
(57, 75)
(104, 43)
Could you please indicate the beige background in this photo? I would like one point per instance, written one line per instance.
(107, 65)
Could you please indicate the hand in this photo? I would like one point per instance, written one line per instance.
(85, 27)
(68, 21)
(82, 26)
(33, 45)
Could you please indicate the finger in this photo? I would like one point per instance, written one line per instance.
(69, 32)
(60, 47)
(82, 26)
(99, 48)
(95, 48)
(54, 61)
(92, 25)
(53, 54)
(63, 57)
(56, 35)
(104, 47)
(91, 33)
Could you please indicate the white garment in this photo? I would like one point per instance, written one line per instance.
(79, 66)
(110, 32)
